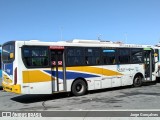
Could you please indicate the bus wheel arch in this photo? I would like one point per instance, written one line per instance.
(79, 86)
(137, 80)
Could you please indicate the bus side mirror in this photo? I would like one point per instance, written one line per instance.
(11, 55)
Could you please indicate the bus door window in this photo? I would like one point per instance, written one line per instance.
(56, 57)
(149, 62)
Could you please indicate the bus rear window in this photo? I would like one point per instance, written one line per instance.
(8, 52)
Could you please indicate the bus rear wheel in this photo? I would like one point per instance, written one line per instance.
(79, 87)
(137, 82)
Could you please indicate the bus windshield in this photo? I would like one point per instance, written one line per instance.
(8, 51)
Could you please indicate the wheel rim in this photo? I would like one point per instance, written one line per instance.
(138, 81)
(79, 88)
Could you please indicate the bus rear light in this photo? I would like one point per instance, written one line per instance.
(15, 76)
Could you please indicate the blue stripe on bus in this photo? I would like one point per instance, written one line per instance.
(71, 75)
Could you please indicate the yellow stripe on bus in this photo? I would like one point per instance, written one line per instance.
(35, 76)
(95, 70)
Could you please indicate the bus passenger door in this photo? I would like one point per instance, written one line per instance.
(149, 64)
(57, 69)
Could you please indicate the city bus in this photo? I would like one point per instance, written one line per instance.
(77, 66)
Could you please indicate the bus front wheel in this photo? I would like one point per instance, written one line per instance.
(79, 87)
(137, 82)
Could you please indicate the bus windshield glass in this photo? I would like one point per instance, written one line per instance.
(8, 51)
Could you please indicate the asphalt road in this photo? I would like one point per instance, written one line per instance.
(123, 98)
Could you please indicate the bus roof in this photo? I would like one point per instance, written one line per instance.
(83, 42)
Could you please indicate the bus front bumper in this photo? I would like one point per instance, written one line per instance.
(11, 88)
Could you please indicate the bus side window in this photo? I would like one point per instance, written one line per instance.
(113, 61)
(34, 63)
(136, 55)
(97, 60)
(45, 62)
(35, 56)
(124, 56)
(74, 56)
(92, 56)
(75, 61)
(86, 60)
(28, 62)
(109, 56)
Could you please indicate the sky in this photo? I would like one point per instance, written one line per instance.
(128, 21)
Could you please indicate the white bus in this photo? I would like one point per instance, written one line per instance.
(34, 67)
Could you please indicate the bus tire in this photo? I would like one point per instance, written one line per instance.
(79, 87)
(137, 82)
